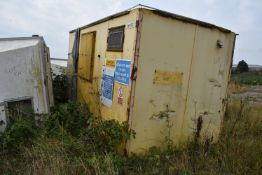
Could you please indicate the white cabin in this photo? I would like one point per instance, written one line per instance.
(25, 76)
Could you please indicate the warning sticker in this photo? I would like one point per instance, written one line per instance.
(107, 85)
(120, 96)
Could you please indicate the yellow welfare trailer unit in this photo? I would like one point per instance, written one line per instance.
(165, 74)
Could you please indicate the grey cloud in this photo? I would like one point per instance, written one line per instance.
(53, 19)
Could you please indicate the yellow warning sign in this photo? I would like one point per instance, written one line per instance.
(111, 63)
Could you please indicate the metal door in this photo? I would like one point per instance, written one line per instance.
(85, 89)
(86, 56)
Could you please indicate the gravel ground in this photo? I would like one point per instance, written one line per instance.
(253, 94)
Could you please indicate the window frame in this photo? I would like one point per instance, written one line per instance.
(120, 49)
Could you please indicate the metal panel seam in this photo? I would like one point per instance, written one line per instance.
(189, 78)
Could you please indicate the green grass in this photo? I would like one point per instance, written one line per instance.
(249, 78)
(238, 151)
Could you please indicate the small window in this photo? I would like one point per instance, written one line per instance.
(115, 39)
(20, 108)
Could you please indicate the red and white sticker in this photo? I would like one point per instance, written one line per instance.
(120, 96)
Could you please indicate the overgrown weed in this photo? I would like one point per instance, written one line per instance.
(66, 146)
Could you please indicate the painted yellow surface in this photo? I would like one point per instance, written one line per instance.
(86, 56)
(207, 90)
(174, 46)
(167, 77)
(88, 91)
(181, 71)
(84, 79)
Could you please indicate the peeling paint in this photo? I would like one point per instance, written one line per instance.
(167, 77)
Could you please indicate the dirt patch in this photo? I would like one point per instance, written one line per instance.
(253, 94)
(252, 99)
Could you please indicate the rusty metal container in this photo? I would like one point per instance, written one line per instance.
(143, 65)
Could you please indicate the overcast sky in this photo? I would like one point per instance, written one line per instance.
(53, 19)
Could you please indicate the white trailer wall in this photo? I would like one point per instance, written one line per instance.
(25, 73)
